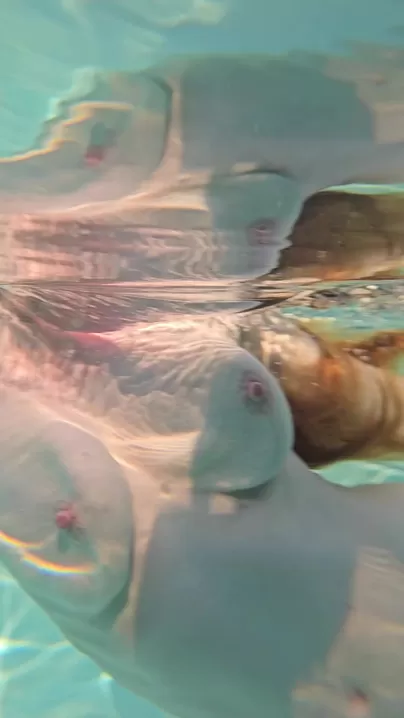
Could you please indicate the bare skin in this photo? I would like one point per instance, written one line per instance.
(339, 236)
(346, 401)
(196, 610)
(217, 565)
(346, 387)
(235, 537)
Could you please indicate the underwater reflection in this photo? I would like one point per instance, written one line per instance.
(134, 266)
(345, 397)
(159, 423)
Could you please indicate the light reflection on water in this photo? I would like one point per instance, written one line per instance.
(41, 675)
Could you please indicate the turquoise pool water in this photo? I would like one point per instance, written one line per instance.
(50, 53)
(42, 676)
(50, 48)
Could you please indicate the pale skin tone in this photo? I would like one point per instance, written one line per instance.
(281, 522)
(170, 584)
(205, 570)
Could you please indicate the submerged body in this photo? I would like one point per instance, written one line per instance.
(176, 564)
(142, 263)
(346, 401)
(208, 570)
(151, 501)
(213, 146)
